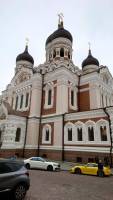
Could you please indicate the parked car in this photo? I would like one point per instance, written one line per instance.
(14, 178)
(90, 168)
(41, 163)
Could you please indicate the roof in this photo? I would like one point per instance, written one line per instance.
(25, 56)
(60, 32)
(15, 112)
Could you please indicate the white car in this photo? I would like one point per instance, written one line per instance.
(41, 163)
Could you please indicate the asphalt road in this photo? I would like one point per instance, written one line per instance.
(65, 186)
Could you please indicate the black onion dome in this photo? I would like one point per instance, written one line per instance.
(60, 32)
(90, 60)
(25, 56)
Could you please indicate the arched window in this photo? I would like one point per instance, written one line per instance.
(0, 135)
(49, 97)
(103, 133)
(50, 56)
(47, 135)
(72, 97)
(54, 53)
(79, 134)
(69, 134)
(21, 101)
(102, 101)
(12, 102)
(90, 133)
(16, 105)
(62, 52)
(0, 138)
(27, 99)
(18, 134)
(106, 102)
(68, 54)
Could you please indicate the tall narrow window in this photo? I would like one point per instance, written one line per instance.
(72, 97)
(79, 134)
(27, 99)
(12, 102)
(18, 134)
(69, 55)
(54, 53)
(49, 97)
(106, 102)
(62, 52)
(103, 133)
(102, 101)
(21, 101)
(0, 135)
(91, 133)
(69, 134)
(16, 105)
(0, 138)
(47, 135)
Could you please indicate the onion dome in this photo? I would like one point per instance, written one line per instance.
(60, 32)
(25, 56)
(90, 60)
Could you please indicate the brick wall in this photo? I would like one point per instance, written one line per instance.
(83, 98)
(55, 155)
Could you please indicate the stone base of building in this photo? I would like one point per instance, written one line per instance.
(7, 153)
(72, 156)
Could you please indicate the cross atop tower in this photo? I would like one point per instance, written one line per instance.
(60, 20)
(89, 44)
(27, 41)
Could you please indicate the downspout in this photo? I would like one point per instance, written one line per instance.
(63, 136)
(110, 135)
(40, 119)
(78, 93)
(110, 130)
(23, 153)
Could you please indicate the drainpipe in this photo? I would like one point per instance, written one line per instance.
(110, 130)
(78, 93)
(40, 119)
(110, 154)
(23, 153)
(63, 136)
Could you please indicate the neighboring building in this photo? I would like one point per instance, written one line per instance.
(57, 110)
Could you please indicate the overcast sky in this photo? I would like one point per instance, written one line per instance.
(87, 20)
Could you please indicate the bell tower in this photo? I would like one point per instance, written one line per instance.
(59, 44)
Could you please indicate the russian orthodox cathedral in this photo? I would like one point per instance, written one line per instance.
(57, 110)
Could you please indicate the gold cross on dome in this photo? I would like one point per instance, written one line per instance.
(89, 45)
(60, 15)
(27, 41)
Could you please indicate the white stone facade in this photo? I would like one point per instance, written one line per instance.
(60, 111)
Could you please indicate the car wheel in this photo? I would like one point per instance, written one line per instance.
(19, 192)
(77, 171)
(100, 174)
(27, 166)
(50, 168)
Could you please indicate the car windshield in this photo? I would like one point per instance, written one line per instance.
(91, 165)
(38, 159)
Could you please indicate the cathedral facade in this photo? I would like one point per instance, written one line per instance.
(57, 110)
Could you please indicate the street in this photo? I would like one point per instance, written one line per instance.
(65, 186)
